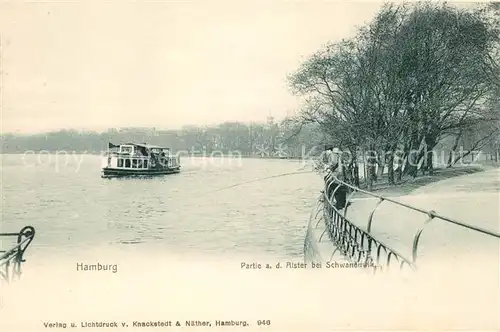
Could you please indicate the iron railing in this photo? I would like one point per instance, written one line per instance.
(11, 259)
(357, 243)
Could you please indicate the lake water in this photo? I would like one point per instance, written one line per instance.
(196, 211)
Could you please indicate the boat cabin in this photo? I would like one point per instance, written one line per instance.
(137, 157)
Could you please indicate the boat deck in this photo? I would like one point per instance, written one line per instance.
(114, 172)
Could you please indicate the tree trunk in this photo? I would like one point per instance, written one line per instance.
(453, 149)
(380, 170)
(390, 169)
(412, 157)
(356, 174)
(399, 174)
(477, 145)
(398, 162)
(411, 167)
(430, 144)
(365, 167)
(429, 161)
(354, 169)
(371, 169)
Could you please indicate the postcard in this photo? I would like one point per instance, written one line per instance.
(222, 165)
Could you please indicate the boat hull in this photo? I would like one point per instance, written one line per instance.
(108, 172)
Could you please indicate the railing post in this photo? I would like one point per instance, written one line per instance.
(13, 258)
(370, 218)
(416, 238)
(348, 201)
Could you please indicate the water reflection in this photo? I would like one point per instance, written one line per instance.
(179, 212)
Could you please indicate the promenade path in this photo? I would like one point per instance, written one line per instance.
(456, 284)
(473, 199)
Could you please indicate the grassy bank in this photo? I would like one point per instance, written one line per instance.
(409, 184)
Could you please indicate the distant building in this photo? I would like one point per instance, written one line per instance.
(137, 129)
(270, 120)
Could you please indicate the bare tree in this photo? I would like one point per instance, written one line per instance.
(412, 76)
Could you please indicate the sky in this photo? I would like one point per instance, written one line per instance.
(97, 64)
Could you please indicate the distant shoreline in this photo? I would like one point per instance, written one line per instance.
(98, 153)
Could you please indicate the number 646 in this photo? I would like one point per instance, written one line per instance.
(263, 322)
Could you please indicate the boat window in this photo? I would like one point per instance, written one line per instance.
(127, 163)
(135, 163)
(126, 149)
(145, 163)
(120, 162)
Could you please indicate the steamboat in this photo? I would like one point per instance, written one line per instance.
(130, 160)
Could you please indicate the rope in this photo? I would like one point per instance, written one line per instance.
(257, 180)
